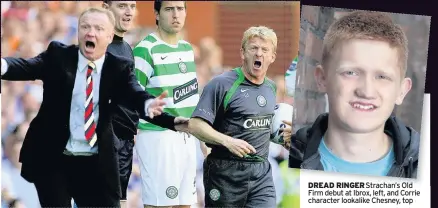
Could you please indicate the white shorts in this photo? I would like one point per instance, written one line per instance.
(167, 162)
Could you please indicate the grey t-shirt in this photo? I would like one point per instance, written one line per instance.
(234, 106)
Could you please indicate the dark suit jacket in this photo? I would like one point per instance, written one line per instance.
(49, 132)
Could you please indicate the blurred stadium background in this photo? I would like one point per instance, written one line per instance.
(215, 30)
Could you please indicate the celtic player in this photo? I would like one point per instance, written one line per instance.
(234, 117)
(165, 63)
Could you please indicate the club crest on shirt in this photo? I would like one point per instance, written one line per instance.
(214, 194)
(182, 67)
(172, 192)
(261, 101)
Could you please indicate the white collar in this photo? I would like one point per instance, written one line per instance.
(83, 62)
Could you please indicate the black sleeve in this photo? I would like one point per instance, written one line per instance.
(211, 100)
(415, 170)
(164, 120)
(20, 69)
(298, 145)
(295, 154)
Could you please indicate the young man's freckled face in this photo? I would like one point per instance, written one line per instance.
(364, 80)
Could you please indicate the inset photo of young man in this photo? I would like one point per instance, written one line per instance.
(359, 92)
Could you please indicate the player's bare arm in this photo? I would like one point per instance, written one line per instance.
(204, 132)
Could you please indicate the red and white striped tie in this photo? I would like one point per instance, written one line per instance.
(90, 125)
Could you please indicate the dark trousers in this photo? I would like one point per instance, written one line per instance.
(232, 183)
(76, 177)
(125, 164)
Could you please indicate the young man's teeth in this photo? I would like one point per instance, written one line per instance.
(364, 107)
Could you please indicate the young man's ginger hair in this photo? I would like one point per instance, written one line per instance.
(366, 25)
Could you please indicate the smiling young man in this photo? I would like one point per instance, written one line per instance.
(163, 61)
(363, 72)
(234, 117)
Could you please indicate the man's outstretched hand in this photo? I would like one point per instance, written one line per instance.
(182, 124)
(155, 108)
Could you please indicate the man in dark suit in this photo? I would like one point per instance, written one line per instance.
(70, 150)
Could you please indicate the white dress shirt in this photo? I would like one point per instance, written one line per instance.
(77, 145)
